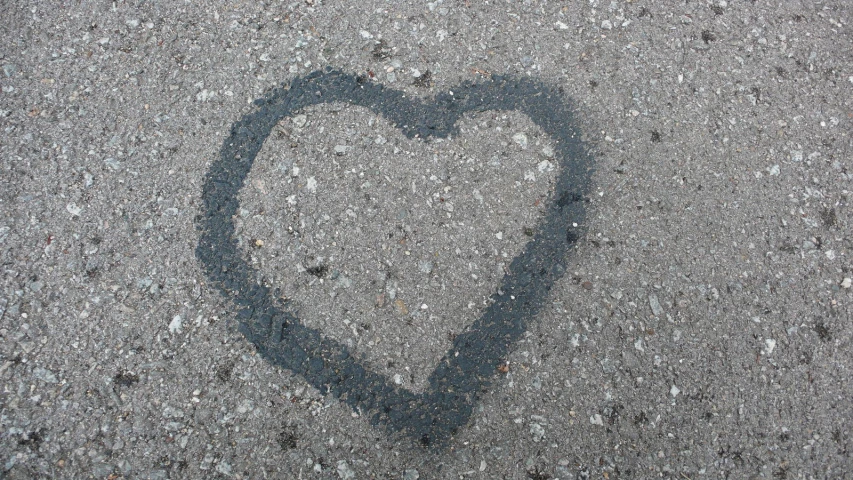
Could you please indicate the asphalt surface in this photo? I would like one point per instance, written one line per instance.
(445, 240)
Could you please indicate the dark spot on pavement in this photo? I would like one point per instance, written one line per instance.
(823, 331)
(223, 372)
(572, 236)
(536, 474)
(423, 81)
(655, 136)
(33, 439)
(287, 438)
(381, 50)
(319, 271)
(126, 379)
(829, 218)
(708, 36)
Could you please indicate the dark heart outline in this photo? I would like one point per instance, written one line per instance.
(468, 369)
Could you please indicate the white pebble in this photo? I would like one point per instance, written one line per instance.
(674, 391)
(177, 324)
(769, 346)
(73, 209)
(299, 121)
(537, 431)
(311, 185)
(796, 155)
(657, 310)
(545, 166)
(344, 471)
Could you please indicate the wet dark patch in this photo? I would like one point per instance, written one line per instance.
(572, 236)
(567, 198)
(468, 368)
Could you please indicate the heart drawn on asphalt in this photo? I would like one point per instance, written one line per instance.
(468, 369)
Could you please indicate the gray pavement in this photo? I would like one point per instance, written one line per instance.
(320, 240)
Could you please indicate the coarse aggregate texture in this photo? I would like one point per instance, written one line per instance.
(464, 373)
(702, 328)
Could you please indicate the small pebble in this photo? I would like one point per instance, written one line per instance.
(299, 121)
(411, 474)
(73, 209)
(344, 471)
(45, 375)
(769, 346)
(425, 266)
(176, 325)
(657, 310)
(537, 431)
